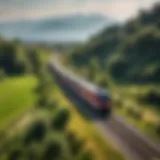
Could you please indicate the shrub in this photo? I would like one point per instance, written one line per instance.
(158, 128)
(135, 113)
(59, 121)
(130, 111)
(35, 132)
(86, 156)
(33, 152)
(118, 103)
(102, 81)
(152, 97)
(53, 103)
(43, 100)
(2, 74)
(15, 154)
(75, 144)
(53, 150)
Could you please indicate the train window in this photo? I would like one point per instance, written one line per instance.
(103, 97)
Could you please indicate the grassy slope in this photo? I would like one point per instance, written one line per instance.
(16, 97)
(150, 114)
(85, 129)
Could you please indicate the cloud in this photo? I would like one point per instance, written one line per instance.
(34, 9)
(120, 9)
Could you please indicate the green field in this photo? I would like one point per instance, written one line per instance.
(16, 97)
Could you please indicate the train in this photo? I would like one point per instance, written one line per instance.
(97, 98)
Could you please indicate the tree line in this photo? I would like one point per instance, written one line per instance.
(48, 137)
(128, 52)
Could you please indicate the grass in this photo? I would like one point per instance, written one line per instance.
(16, 97)
(129, 95)
(86, 130)
(129, 98)
(143, 125)
(22, 88)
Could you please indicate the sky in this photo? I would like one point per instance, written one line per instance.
(121, 10)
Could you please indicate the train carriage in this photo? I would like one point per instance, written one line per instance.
(97, 97)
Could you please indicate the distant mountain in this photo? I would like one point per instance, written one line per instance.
(76, 27)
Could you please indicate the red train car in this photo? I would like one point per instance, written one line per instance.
(96, 97)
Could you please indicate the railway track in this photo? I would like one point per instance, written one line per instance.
(132, 143)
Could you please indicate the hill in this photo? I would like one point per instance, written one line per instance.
(129, 52)
(76, 27)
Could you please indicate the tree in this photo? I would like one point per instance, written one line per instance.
(35, 61)
(102, 81)
(93, 69)
(2, 74)
(13, 58)
(53, 150)
(75, 144)
(60, 120)
(35, 132)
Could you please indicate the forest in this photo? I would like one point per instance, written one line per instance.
(129, 52)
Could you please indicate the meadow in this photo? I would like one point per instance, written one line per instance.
(17, 96)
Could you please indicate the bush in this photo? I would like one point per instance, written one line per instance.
(15, 154)
(86, 156)
(2, 74)
(129, 111)
(75, 144)
(158, 128)
(102, 80)
(53, 149)
(153, 97)
(32, 153)
(42, 101)
(118, 103)
(59, 121)
(35, 132)
(135, 113)
(53, 103)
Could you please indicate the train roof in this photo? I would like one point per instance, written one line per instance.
(81, 81)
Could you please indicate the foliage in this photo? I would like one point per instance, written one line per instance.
(59, 121)
(53, 150)
(152, 97)
(38, 140)
(86, 156)
(13, 59)
(15, 154)
(134, 112)
(2, 74)
(158, 128)
(75, 144)
(35, 61)
(102, 81)
(135, 44)
(93, 69)
(35, 132)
